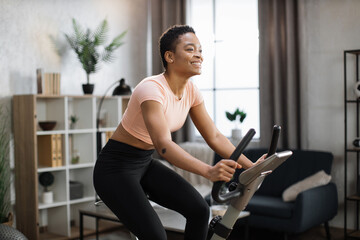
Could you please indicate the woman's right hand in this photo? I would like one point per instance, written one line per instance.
(223, 170)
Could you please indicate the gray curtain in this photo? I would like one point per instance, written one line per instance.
(166, 13)
(279, 72)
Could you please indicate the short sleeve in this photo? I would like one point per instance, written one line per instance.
(197, 96)
(149, 90)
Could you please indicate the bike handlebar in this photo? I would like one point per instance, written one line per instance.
(222, 198)
(274, 140)
(234, 156)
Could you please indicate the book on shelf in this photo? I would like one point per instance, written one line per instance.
(50, 150)
(59, 150)
(39, 80)
(51, 83)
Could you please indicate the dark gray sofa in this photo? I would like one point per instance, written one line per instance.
(311, 207)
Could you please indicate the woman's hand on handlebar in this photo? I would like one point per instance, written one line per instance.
(223, 170)
(261, 159)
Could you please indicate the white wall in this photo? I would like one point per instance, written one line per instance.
(25, 45)
(328, 27)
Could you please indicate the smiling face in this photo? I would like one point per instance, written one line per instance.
(187, 57)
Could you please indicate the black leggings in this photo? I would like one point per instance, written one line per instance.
(125, 178)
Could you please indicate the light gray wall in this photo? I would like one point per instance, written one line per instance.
(328, 27)
(25, 45)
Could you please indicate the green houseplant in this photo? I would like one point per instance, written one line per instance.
(237, 116)
(46, 179)
(73, 120)
(5, 172)
(91, 50)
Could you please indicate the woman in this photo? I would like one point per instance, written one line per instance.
(126, 176)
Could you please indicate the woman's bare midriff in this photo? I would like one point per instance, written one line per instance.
(123, 136)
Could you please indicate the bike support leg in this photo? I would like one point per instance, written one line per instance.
(238, 204)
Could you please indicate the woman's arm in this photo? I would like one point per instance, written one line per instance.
(160, 135)
(216, 140)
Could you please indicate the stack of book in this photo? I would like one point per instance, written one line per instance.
(48, 83)
(52, 83)
(50, 150)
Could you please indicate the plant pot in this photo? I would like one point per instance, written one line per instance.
(88, 88)
(47, 197)
(236, 133)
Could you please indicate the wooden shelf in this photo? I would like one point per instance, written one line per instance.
(81, 165)
(356, 51)
(83, 200)
(354, 149)
(50, 132)
(353, 101)
(353, 198)
(354, 234)
(79, 131)
(351, 127)
(51, 169)
(31, 214)
(51, 205)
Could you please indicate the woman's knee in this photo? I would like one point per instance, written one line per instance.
(197, 222)
(204, 210)
(199, 212)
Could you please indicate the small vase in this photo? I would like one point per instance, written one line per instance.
(47, 197)
(236, 133)
(75, 158)
(88, 88)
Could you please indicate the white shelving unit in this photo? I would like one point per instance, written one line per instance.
(61, 216)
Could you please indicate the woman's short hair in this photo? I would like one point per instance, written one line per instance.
(169, 39)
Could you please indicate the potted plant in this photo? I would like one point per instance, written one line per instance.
(237, 116)
(73, 120)
(46, 179)
(91, 50)
(5, 171)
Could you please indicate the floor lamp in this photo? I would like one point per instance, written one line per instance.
(121, 89)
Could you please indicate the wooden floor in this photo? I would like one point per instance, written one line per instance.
(317, 233)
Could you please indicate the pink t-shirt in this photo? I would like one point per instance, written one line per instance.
(157, 89)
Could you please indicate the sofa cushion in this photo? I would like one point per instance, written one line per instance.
(270, 206)
(318, 179)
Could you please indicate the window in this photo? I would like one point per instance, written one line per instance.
(228, 33)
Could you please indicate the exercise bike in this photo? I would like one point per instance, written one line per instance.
(249, 181)
(242, 191)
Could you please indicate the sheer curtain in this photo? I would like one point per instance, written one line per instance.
(279, 72)
(166, 13)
